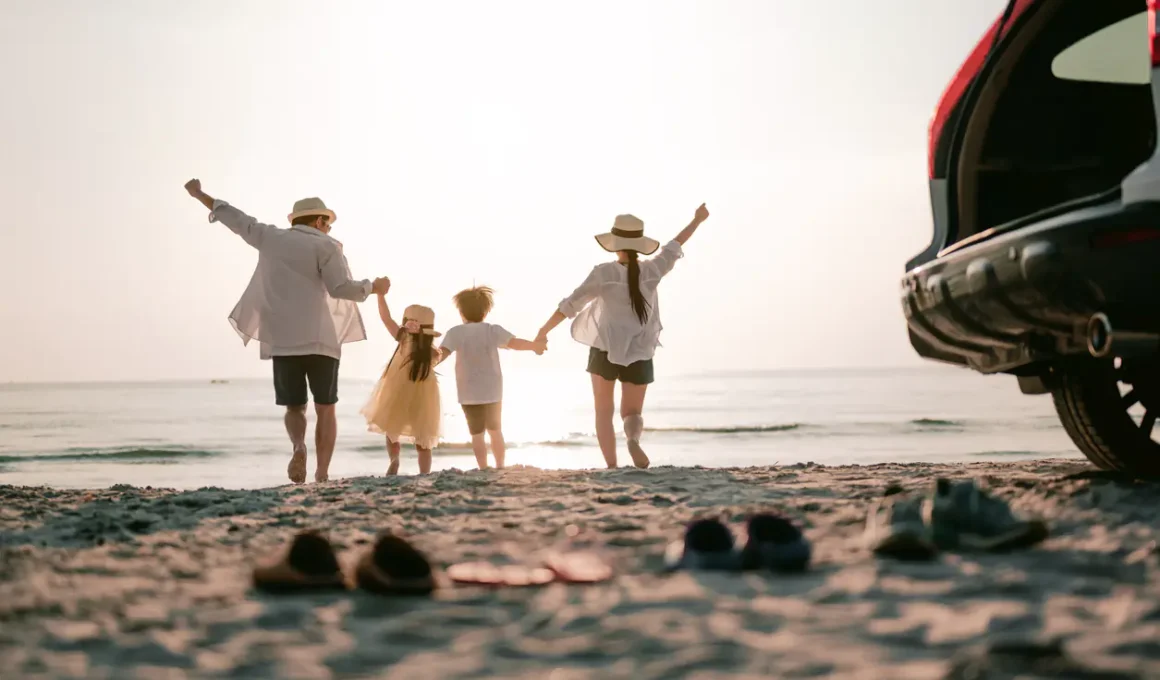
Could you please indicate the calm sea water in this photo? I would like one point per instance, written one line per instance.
(189, 435)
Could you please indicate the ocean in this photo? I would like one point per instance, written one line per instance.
(229, 434)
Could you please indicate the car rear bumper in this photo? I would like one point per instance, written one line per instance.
(1025, 297)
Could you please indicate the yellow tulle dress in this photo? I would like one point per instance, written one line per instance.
(401, 408)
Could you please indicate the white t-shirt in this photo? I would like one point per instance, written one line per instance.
(477, 373)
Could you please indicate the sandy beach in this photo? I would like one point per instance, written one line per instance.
(150, 583)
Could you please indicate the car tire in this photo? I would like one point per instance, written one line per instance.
(1095, 415)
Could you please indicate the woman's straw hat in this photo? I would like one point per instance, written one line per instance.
(424, 316)
(311, 206)
(628, 234)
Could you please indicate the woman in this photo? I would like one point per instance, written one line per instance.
(615, 313)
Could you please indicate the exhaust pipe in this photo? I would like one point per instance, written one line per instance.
(1102, 339)
(1099, 335)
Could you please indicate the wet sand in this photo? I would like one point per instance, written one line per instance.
(127, 583)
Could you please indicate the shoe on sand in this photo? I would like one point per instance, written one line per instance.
(708, 545)
(964, 516)
(508, 575)
(394, 567)
(309, 564)
(896, 528)
(639, 458)
(774, 543)
(296, 470)
(578, 567)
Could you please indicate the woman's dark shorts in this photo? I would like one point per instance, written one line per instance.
(636, 373)
(291, 375)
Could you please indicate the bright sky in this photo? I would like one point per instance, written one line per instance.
(467, 141)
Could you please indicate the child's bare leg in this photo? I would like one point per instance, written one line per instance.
(603, 396)
(479, 448)
(498, 447)
(424, 460)
(393, 452)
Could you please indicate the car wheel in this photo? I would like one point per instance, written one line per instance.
(1109, 408)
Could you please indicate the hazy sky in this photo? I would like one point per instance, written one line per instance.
(467, 141)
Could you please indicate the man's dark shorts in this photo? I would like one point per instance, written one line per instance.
(482, 417)
(292, 374)
(636, 373)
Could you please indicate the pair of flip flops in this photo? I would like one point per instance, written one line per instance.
(392, 567)
(772, 543)
(581, 568)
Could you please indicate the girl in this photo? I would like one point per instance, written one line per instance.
(405, 402)
(616, 315)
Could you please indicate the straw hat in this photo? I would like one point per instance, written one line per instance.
(424, 316)
(628, 234)
(311, 206)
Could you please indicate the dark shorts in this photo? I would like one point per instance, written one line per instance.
(636, 373)
(482, 417)
(291, 375)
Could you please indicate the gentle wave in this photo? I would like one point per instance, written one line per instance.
(936, 422)
(465, 447)
(741, 429)
(97, 455)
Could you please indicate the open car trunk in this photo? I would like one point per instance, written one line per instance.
(1062, 116)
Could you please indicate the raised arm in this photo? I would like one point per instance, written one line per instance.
(385, 312)
(700, 216)
(250, 229)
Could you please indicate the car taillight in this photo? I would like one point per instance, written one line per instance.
(1153, 38)
(1125, 237)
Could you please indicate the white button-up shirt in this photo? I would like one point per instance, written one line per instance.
(602, 311)
(301, 298)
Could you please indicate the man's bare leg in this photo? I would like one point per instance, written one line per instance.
(325, 433)
(295, 420)
(498, 447)
(393, 451)
(479, 448)
(424, 460)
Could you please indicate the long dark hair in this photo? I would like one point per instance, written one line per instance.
(421, 353)
(639, 304)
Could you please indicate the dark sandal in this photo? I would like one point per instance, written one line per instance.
(308, 564)
(394, 567)
(708, 545)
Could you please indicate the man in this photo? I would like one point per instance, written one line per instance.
(300, 307)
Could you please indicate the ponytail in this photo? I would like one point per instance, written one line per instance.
(639, 305)
(421, 354)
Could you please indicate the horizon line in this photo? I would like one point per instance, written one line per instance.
(701, 374)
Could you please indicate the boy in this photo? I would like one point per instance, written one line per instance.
(478, 377)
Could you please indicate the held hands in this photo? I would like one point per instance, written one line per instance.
(702, 214)
(381, 285)
(539, 346)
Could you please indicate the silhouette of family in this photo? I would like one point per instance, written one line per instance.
(301, 306)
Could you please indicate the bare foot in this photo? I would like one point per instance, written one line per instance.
(394, 468)
(320, 476)
(296, 470)
(638, 458)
